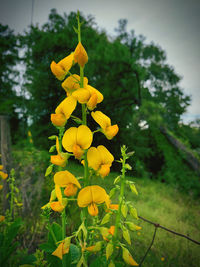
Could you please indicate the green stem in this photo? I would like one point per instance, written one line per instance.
(121, 198)
(52, 233)
(12, 197)
(64, 234)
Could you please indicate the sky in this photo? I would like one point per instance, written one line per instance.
(172, 24)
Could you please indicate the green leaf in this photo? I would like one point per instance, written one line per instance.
(52, 148)
(106, 218)
(49, 170)
(126, 235)
(52, 137)
(47, 247)
(75, 253)
(133, 189)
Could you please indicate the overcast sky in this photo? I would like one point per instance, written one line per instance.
(173, 24)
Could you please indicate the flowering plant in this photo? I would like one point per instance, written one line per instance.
(102, 222)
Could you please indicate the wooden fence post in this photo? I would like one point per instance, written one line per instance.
(6, 158)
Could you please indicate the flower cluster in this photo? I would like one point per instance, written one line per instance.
(77, 142)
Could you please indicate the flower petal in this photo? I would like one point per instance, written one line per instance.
(56, 206)
(103, 120)
(80, 55)
(57, 70)
(82, 95)
(69, 139)
(58, 193)
(67, 106)
(84, 137)
(93, 90)
(89, 194)
(93, 209)
(63, 178)
(106, 156)
(111, 131)
(59, 251)
(58, 119)
(94, 158)
(67, 62)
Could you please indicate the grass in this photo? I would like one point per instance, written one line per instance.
(160, 203)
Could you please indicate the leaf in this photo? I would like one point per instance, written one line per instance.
(109, 250)
(52, 137)
(133, 213)
(106, 218)
(52, 148)
(112, 192)
(126, 235)
(49, 170)
(133, 189)
(47, 247)
(117, 179)
(75, 253)
(124, 210)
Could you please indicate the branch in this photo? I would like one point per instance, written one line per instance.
(171, 231)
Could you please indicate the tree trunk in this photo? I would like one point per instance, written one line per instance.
(6, 158)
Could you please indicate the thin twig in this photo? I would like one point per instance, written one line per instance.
(154, 235)
(171, 231)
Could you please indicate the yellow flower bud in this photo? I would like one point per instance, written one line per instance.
(80, 55)
(56, 206)
(58, 120)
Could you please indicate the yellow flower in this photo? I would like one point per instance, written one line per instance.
(104, 121)
(57, 206)
(3, 175)
(90, 196)
(2, 218)
(80, 55)
(95, 97)
(77, 139)
(1, 186)
(111, 230)
(64, 111)
(162, 258)
(60, 251)
(100, 159)
(62, 67)
(67, 180)
(128, 258)
(61, 158)
(1, 167)
(72, 83)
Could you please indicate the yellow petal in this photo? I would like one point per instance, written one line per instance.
(93, 90)
(103, 120)
(94, 158)
(92, 102)
(91, 194)
(80, 55)
(58, 71)
(77, 151)
(111, 131)
(59, 251)
(81, 95)
(93, 209)
(66, 63)
(3, 175)
(106, 156)
(1, 187)
(56, 206)
(67, 106)
(63, 178)
(70, 190)
(58, 193)
(1, 167)
(58, 160)
(69, 139)
(112, 230)
(84, 137)
(58, 119)
(72, 83)
(104, 170)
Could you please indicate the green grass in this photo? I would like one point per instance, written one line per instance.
(161, 204)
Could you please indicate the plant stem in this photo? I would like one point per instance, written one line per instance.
(63, 234)
(121, 197)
